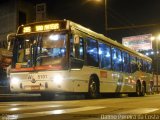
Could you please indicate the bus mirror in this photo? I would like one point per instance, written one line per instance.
(10, 38)
(76, 39)
(76, 64)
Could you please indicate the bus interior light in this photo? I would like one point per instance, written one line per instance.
(27, 40)
(54, 37)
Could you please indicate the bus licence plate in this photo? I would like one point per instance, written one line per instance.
(35, 87)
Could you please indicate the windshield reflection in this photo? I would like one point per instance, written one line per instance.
(39, 50)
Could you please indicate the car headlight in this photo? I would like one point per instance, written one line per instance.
(57, 79)
(14, 80)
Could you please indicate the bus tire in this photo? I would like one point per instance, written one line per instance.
(143, 91)
(138, 89)
(93, 88)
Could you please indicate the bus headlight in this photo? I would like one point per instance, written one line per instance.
(14, 80)
(57, 79)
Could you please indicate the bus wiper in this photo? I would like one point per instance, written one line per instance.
(41, 56)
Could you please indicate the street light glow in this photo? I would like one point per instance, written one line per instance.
(158, 37)
(147, 53)
(152, 38)
(152, 52)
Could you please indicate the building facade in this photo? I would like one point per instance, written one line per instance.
(12, 14)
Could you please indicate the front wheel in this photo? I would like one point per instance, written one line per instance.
(143, 90)
(138, 89)
(93, 89)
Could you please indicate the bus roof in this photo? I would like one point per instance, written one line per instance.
(73, 25)
(108, 40)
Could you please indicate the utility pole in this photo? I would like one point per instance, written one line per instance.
(105, 16)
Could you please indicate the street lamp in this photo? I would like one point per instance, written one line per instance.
(156, 39)
(105, 15)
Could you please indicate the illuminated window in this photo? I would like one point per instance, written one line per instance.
(126, 62)
(149, 67)
(77, 50)
(133, 63)
(104, 56)
(92, 52)
(116, 59)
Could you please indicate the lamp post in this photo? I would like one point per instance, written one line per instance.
(156, 57)
(105, 16)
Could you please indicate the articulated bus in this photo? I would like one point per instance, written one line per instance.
(61, 56)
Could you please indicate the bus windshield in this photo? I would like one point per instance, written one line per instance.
(40, 49)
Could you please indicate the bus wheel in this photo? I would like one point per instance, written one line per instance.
(93, 88)
(47, 96)
(143, 89)
(138, 89)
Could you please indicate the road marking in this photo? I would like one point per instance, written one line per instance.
(35, 107)
(139, 111)
(24, 108)
(53, 112)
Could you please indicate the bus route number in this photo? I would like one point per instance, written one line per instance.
(42, 77)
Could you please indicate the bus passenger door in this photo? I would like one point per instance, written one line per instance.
(77, 54)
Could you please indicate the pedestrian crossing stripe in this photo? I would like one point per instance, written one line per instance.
(52, 112)
(139, 111)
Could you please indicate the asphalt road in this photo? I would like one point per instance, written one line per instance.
(124, 108)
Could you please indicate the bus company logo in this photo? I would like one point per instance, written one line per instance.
(33, 80)
(30, 77)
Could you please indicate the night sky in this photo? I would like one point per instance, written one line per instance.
(90, 13)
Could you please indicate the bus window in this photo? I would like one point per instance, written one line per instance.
(53, 49)
(140, 64)
(142, 67)
(104, 56)
(116, 59)
(149, 67)
(81, 49)
(21, 51)
(133, 64)
(126, 62)
(145, 66)
(77, 50)
(92, 52)
(46, 49)
(72, 49)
